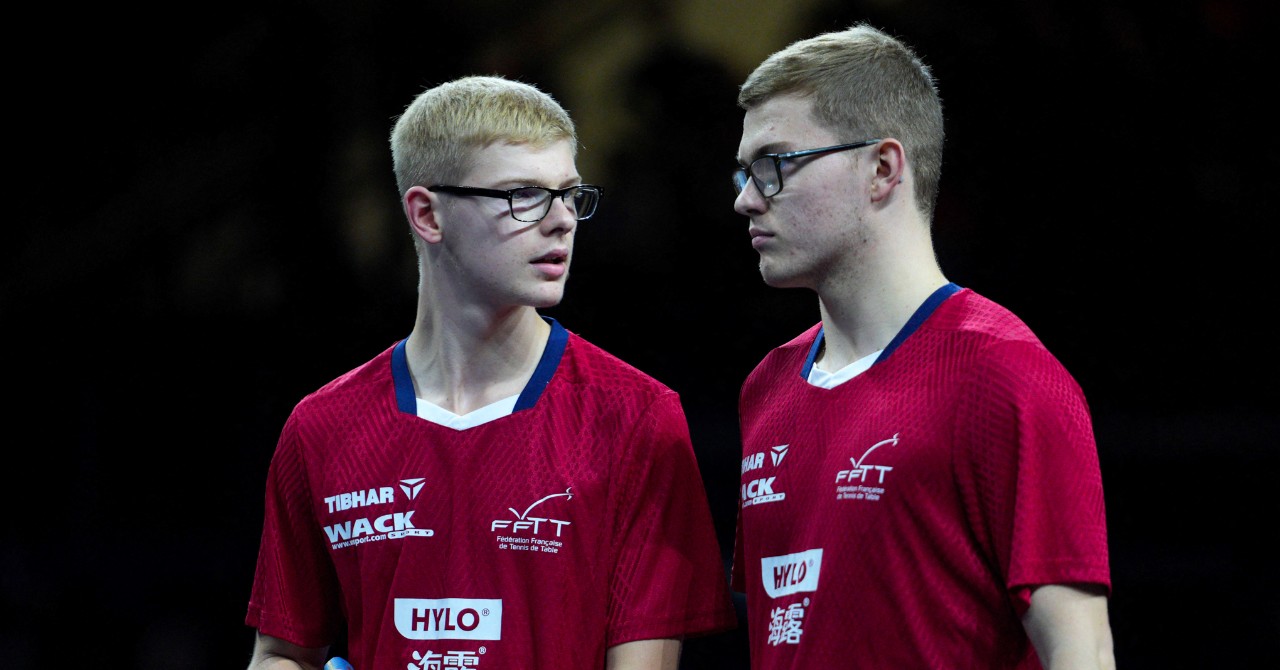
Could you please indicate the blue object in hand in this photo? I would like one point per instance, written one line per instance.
(338, 663)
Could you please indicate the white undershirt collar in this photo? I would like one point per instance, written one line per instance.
(437, 414)
(830, 380)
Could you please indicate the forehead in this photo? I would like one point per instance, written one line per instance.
(782, 123)
(524, 163)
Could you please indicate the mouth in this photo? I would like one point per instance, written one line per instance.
(553, 264)
(556, 257)
(759, 237)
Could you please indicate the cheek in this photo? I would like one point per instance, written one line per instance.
(819, 223)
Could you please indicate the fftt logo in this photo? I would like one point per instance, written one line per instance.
(791, 573)
(533, 523)
(449, 618)
(860, 468)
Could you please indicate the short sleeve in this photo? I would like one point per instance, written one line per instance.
(1028, 468)
(669, 579)
(295, 594)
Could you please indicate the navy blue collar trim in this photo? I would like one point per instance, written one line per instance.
(407, 400)
(922, 313)
(556, 343)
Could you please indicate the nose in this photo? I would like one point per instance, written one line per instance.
(749, 202)
(560, 218)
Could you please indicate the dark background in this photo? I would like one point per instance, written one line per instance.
(204, 228)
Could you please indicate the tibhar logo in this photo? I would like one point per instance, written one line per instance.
(756, 461)
(791, 573)
(411, 487)
(860, 468)
(758, 491)
(533, 524)
(355, 499)
(373, 529)
(449, 618)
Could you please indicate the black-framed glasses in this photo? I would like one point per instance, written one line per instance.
(531, 204)
(766, 171)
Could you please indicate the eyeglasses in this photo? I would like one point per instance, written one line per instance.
(766, 171)
(531, 204)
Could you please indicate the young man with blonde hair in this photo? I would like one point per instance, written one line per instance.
(491, 491)
(920, 482)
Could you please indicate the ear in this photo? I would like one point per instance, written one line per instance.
(422, 208)
(891, 169)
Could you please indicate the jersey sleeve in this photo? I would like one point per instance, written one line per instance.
(669, 579)
(295, 592)
(1028, 469)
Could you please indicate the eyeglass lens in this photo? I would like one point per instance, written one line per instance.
(533, 203)
(764, 170)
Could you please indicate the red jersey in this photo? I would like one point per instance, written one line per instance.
(900, 519)
(535, 540)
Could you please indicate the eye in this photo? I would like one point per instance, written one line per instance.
(529, 198)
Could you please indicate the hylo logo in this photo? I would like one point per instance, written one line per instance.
(791, 573)
(449, 618)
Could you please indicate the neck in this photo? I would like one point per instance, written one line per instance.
(468, 359)
(864, 309)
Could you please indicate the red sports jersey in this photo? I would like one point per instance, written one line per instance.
(535, 540)
(899, 520)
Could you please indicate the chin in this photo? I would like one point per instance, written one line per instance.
(787, 283)
(776, 279)
(545, 301)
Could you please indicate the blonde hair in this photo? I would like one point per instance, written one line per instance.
(864, 84)
(435, 139)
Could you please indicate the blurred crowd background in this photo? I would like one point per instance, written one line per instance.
(204, 227)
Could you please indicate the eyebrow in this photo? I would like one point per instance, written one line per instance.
(770, 148)
(521, 182)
